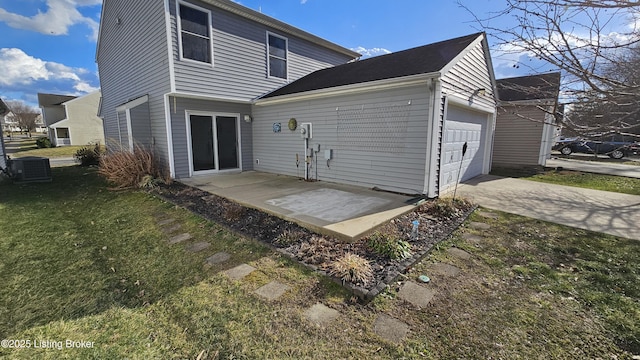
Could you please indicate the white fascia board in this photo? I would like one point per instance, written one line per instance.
(210, 98)
(420, 79)
(464, 102)
(167, 25)
(133, 103)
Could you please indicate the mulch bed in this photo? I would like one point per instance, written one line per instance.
(437, 221)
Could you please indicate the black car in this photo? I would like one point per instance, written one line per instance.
(615, 146)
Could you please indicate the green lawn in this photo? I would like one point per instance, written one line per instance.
(576, 178)
(27, 147)
(83, 263)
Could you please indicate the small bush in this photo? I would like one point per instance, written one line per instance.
(132, 169)
(233, 212)
(89, 155)
(352, 268)
(43, 142)
(389, 246)
(289, 237)
(445, 207)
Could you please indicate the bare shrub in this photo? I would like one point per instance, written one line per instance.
(132, 169)
(316, 251)
(233, 212)
(289, 237)
(352, 268)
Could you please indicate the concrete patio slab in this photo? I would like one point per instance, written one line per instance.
(273, 290)
(344, 211)
(239, 272)
(390, 329)
(321, 314)
(601, 211)
(479, 225)
(415, 294)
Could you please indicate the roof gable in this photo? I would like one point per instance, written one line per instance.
(53, 99)
(420, 60)
(533, 87)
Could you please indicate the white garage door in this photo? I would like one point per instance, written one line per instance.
(462, 125)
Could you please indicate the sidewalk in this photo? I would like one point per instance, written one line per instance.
(602, 211)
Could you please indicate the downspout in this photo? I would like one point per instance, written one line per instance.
(432, 164)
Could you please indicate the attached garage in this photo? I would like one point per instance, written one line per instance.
(395, 122)
(464, 125)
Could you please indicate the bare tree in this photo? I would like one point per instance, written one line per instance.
(595, 45)
(23, 115)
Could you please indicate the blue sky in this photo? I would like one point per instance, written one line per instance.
(49, 45)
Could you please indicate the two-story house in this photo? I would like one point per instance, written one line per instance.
(72, 120)
(212, 86)
(180, 76)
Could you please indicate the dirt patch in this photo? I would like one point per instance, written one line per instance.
(437, 220)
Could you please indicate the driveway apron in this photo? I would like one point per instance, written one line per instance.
(601, 211)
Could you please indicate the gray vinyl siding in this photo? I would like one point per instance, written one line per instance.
(141, 126)
(517, 140)
(239, 67)
(179, 129)
(133, 61)
(51, 114)
(399, 167)
(469, 74)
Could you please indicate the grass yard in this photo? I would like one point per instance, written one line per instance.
(576, 178)
(27, 147)
(83, 263)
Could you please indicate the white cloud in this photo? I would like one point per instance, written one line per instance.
(59, 17)
(366, 53)
(21, 71)
(303, 2)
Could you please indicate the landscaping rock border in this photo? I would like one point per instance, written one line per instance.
(434, 227)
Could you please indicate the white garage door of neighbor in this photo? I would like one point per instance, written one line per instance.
(462, 125)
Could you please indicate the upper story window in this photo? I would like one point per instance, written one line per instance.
(277, 56)
(195, 33)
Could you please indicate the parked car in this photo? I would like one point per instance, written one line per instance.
(615, 146)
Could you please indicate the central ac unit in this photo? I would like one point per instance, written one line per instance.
(30, 169)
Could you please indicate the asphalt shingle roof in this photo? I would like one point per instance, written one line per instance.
(533, 87)
(420, 60)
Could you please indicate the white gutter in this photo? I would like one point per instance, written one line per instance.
(420, 79)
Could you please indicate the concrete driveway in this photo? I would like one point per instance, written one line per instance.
(602, 211)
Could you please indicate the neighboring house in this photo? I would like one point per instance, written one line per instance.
(211, 86)
(72, 120)
(526, 122)
(4, 110)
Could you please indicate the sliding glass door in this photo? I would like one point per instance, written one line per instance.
(214, 142)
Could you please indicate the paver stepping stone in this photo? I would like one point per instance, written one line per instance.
(218, 258)
(171, 229)
(321, 314)
(239, 272)
(199, 246)
(390, 329)
(166, 221)
(479, 225)
(472, 237)
(444, 269)
(459, 253)
(272, 290)
(415, 294)
(488, 214)
(179, 238)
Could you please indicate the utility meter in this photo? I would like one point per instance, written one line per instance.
(305, 130)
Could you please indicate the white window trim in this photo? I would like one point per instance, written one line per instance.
(179, 34)
(213, 115)
(286, 49)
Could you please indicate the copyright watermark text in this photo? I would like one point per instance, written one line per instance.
(45, 344)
